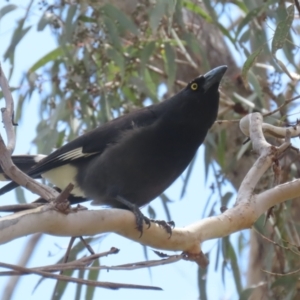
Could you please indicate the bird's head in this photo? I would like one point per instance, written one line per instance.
(205, 86)
(199, 100)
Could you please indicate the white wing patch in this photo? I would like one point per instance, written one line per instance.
(62, 176)
(39, 157)
(74, 154)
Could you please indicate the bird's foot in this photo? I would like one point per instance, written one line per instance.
(168, 226)
(140, 218)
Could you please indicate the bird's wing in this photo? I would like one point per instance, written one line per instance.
(94, 142)
(91, 143)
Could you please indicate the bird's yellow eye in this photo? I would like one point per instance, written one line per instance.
(194, 86)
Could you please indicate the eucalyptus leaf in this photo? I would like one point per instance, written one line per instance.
(50, 57)
(249, 63)
(113, 33)
(115, 14)
(118, 60)
(170, 65)
(255, 13)
(146, 53)
(282, 30)
(156, 14)
(7, 9)
(197, 9)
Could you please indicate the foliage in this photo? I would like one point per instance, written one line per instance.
(111, 58)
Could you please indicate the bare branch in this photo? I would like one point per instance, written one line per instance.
(5, 152)
(269, 130)
(286, 102)
(84, 222)
(108, 285)
(8, 113)
(81, 264)
(27, 253)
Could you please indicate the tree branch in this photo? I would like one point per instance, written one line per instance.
(247, 210)
(5, 152)
(8, 113)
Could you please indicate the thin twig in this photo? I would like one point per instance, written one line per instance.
(83, 262)
(88, 247)
(286, 102)
(19, 207)
(67, 254)
(184, 51)
(27, 253)
(108, 285)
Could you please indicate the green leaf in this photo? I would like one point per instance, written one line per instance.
(43, 22)
(249, 63)
(61, 286)
(187, 176)
(165, 200)
(225, 199)
(151, 212)
(156, 14)
(195, 8)
(150, 85)
(202, 282)
(79, 286)
(18, 34)
(171, 8)
(209, 7)
(146, 53)
(242, 151)
(282, 30)
(245, 294)
(235, 268)
(288, 282)
(86, 19)
(226, 33)
(92, 275)
(113, 34)
(210, 146)
(7, 9)
(280, 36)
(116, 14)
(170, 64)
(70, 26)
(51, 56)
(20, 195)
(47, 18)
(283, 67)
(221, 148)
(241, 5)
(255, 82)
(245, 37)
(251, 15)
(229, 253)
(118, 60)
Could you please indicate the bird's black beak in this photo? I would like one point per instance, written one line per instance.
(213, 76)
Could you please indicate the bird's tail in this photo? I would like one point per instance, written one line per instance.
(23, 162)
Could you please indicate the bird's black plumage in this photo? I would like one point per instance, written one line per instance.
(136, 156)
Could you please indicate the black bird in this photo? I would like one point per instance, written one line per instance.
(129, 161)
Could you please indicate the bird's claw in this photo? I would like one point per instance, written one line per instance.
(140, 218)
